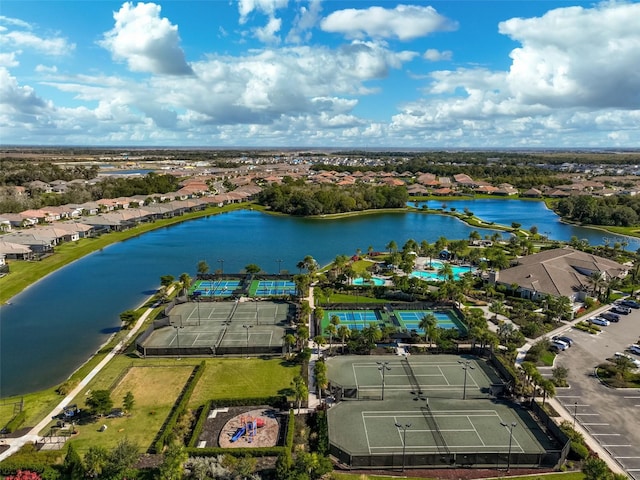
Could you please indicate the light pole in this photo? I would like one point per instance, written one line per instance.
(198, 303)
(510, 427)
(247, 327)
(279, 262)
(383, 367)
(221, 262)
(466, 365)
(575, 414)
(404, 441)
(178, 327)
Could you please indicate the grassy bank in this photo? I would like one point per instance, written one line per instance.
(24, 273)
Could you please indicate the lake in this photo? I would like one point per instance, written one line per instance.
(51, 328)
(529, 213)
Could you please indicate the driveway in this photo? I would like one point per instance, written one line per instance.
(611, 416)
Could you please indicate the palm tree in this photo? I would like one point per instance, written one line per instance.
(252, 269)
(185, 280)
(343, 333)
(300, 389)
(289, 341)
(428, 323)
(203, 267)
(331, 331)
(392, 246)
(446, 271)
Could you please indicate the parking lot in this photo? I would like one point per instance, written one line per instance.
(611, 416)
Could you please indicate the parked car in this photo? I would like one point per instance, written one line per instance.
(635, 348)
(621, 309)
(562, 338)
(612, 317)
(630, 303)
(603, 322)
(635, 361)
(559, 345)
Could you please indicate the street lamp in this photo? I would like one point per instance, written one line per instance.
(466, 365)
(198, 303)
(510, 427)
(247, 327)
(404, 441)
(279, 262)
(178, 327)
(575, 413)
(221, 262)
(383, 367)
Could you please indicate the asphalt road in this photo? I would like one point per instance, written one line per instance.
(612, 416)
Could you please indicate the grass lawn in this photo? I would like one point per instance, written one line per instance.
(346, 298)
(243, 378)
(155, 389)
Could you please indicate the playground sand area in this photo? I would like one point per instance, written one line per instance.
(260, 436)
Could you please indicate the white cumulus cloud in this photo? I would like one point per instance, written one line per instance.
(434, 55)
(267, 7)
(147, 42)
(405, 22)
(577, 57)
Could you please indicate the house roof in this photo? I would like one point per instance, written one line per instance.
(559, 272)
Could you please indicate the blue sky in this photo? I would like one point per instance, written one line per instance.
(299, 73)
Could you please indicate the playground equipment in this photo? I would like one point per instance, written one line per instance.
(249, 427)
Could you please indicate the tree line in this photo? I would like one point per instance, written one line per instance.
(619, 210)
(294, 199)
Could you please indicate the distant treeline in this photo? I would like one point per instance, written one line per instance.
(302, 199)
(619, 210)
(19, 172)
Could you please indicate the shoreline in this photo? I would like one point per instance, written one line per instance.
(474, 222)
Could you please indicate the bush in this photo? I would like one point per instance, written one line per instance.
(580, 450)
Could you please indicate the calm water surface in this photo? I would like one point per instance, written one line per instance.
(55, 325)
(529, 213)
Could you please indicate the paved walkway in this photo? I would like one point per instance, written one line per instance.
(33, 435)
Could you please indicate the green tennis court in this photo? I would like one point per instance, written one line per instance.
(427, 423)
(215, 328)
(441, 376)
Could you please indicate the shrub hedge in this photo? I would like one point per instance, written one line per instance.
(178, 409)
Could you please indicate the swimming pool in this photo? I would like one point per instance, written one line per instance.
(434, 275)
(373, 281)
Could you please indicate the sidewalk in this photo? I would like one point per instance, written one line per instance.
(33, 435)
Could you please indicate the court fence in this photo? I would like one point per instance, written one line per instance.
(548, 459)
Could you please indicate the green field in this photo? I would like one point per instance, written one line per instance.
(155, 389)
(243, 378)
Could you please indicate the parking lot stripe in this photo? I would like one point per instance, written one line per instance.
(612, 445)
(600, 424)
(627, 457)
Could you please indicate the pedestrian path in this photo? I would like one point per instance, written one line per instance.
(33, 435)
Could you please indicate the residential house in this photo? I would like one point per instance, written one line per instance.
(15, 250)
(558, 272)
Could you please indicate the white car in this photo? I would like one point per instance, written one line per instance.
(635, 349)
(635, 361)
(599, 321)
(560, 345)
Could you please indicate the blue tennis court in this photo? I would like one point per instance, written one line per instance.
(410, 319)
(353, 319)
(265, 288)
(215, 288)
